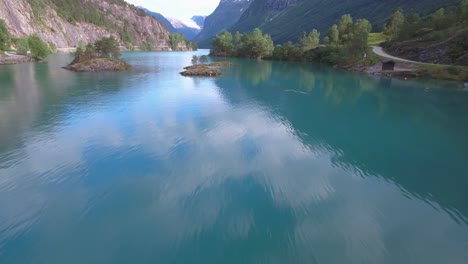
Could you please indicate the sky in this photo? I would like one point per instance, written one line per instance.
(180, 9)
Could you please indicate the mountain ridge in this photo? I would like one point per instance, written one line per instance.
(187, 28)
(66, 23)
(286, 20)
(224, 16)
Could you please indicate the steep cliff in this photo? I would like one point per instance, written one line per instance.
(226, 14)
(65, 23)
(285, 20)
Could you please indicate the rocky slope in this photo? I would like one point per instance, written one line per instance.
(226, 14)
(452, 49)
(54, 25)
(285, 20)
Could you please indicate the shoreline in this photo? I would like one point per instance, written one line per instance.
(7, 58)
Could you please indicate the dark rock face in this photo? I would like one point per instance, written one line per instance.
(279, 4)
(226, 14)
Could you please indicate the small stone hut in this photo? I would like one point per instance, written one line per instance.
(388, 65)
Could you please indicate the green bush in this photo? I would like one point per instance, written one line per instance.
(175, 39)
(453, 70)
(39, 49)
(4, 36)
(107, 47)
(22, 46)
(194, 59)
(203, 59)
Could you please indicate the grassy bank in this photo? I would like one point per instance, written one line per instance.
(375, 39)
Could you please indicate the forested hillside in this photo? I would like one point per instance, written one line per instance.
(440, 37)
(65, 23)
(285, 20)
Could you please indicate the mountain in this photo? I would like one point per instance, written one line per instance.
(161, 18)
(199, 20)
(286, 20)
(225, 15)
(187, 28)
(65, 23)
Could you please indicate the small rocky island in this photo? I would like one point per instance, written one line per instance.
(103, 55)
(201, 67)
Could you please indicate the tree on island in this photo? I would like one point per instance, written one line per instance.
(203, 59)
(194, 59)
(107, 47)
(103, 55)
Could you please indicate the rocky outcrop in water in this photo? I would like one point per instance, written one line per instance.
(208, 70)
(85, 63)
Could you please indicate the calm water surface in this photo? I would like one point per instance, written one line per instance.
(271, 163)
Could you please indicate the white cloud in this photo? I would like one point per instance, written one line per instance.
(181, 9)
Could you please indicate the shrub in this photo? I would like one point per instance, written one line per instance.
(39, 49)
(107, 47)
(204, 59)
(453, 70)
(22, 46)
(4, 36)
(194, 59)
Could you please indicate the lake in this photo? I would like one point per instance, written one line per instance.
(273, 162)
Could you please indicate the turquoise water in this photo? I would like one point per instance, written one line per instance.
(270, 163)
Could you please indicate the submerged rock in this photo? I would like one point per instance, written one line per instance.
(211, 69)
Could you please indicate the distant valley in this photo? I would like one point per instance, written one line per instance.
(189, 29)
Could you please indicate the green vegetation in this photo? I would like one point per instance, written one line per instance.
(103, 48)
(103, 55)
(22, 45)
(442, 72)
(192, 45)
(440, 37)
(4, 36)
(194, 59)
(203, 59)
(400, 27)
(251, 45)
(288, 22)
(175, 39)
(147, 45)
(346, 42)
(375, 39)
(39, 49)
(84, 11)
